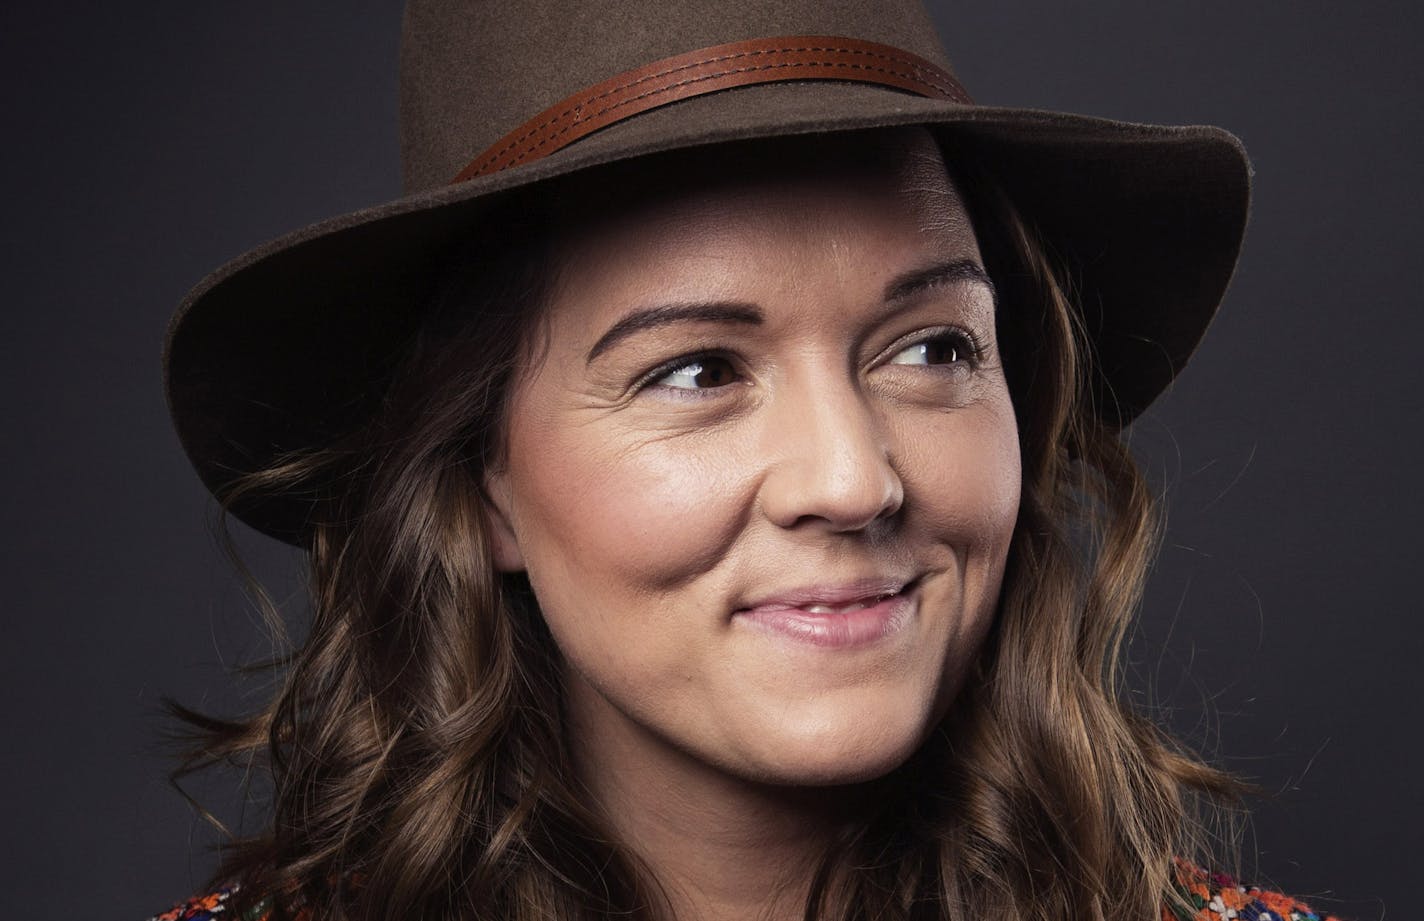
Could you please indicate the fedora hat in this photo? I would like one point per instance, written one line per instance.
(274, 351)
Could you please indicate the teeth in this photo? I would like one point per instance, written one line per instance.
(832, 609)
(845, 608)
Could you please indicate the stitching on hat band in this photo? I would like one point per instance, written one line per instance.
(626, 81)
(705, 71)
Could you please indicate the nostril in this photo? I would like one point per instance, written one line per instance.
(844, 491)
(829, 462)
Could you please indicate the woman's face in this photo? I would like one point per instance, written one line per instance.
(764, 475)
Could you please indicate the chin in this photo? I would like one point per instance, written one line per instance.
(861, 750)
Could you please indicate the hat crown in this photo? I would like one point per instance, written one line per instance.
(473, 70)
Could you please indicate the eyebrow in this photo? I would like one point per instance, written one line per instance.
(899, 289)
(703, 311)
(917, 280)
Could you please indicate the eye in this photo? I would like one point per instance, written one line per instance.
(700, 373)
(944, 348)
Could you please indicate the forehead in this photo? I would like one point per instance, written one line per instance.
(856, 200)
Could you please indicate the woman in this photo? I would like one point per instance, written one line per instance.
(712, 495)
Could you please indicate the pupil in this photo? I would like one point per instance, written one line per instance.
(710, 374)
(941, 352)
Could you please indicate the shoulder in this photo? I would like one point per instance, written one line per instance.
(1216, 897)
(217, 905)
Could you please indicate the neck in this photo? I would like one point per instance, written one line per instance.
(719, 846)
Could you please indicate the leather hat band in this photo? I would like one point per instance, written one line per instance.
(708, 70)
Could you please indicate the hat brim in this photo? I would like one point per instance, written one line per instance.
(277, 349)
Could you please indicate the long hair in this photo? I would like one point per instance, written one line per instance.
(416, 745)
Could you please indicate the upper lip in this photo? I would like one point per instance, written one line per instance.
(859, 590)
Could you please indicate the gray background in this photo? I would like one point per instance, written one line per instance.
(148, 142)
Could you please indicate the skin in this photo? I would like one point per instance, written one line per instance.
(650, 501)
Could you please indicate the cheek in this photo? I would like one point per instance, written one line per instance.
(966, 479)
(613, 533)
(622, 516)
(967, 483)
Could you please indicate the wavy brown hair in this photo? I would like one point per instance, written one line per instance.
(416, 744)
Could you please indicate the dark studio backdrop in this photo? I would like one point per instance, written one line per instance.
(145, 143)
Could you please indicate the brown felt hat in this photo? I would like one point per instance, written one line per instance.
(267, 351)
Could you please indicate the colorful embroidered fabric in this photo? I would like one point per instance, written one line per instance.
(1210, 897)
(1217, 897)
(214, 907)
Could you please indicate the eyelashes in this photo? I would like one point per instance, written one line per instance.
(696, 374)
(947, 346)
(701, 373)
(691, 376)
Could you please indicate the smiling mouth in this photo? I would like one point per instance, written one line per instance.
(832, 599)
(845, 617)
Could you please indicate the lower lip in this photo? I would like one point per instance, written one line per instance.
(837, 631)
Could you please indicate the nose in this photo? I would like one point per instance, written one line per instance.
(830, 465)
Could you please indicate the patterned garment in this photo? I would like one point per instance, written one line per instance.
(214, 907)
(1212, 897)
(1217, 897)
